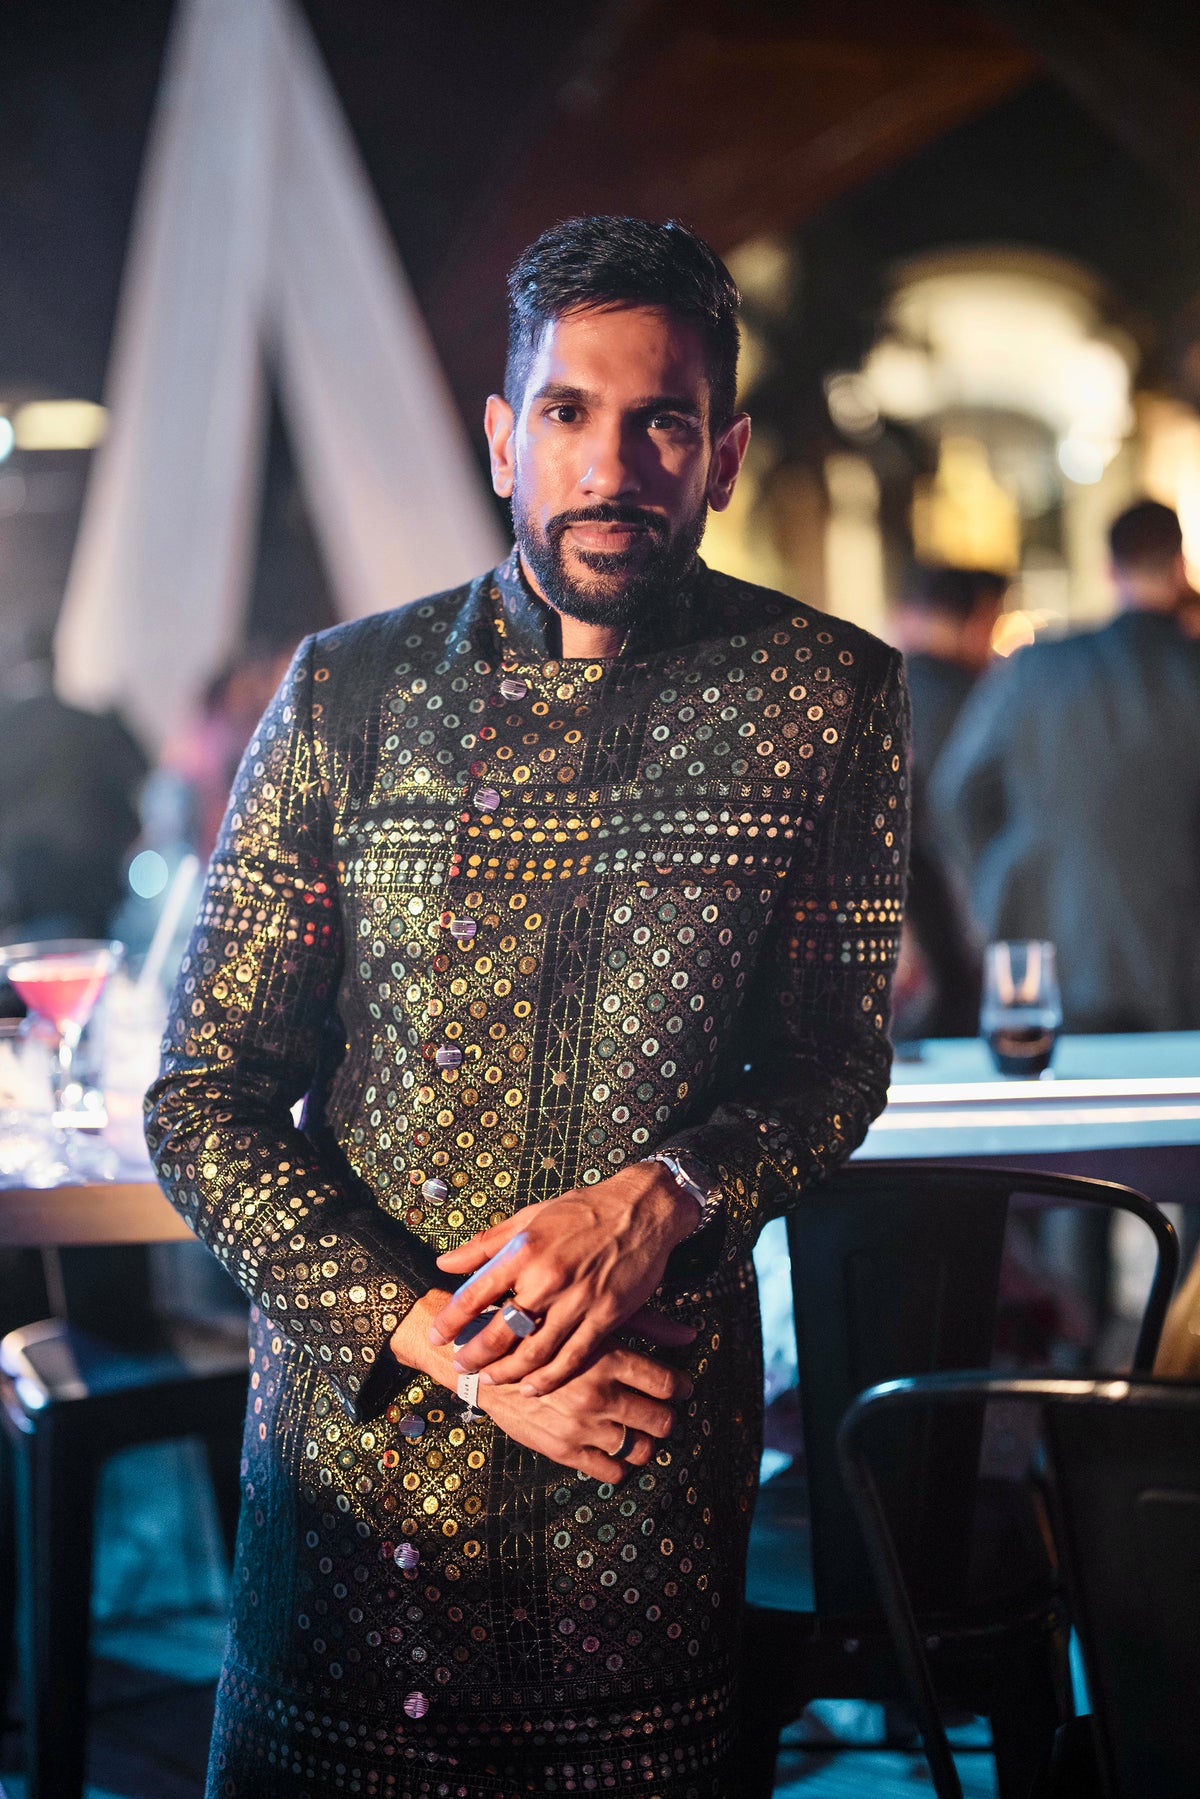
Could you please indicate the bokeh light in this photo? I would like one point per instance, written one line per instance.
(148, 874)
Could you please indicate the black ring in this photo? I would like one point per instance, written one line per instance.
(625, 1445)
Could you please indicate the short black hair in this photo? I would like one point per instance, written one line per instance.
(607, 260)
(940, 587)
(1145, 536)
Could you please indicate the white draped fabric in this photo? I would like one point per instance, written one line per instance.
(256, 239)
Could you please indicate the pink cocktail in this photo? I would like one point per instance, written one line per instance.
(62, 989)
(61, 980)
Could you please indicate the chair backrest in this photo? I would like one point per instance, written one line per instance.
(892, 1276)
(1124, 1466)
(1126, 1483)
(895, 1272)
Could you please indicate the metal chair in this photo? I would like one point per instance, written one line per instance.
(895, 1271)
(69, 1399)
(1123, 1467)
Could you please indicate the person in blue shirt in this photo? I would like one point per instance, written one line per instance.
(1070, 787)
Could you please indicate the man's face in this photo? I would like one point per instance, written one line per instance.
(611, 463)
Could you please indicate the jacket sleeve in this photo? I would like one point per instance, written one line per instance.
(812, 1069)
(255, 996)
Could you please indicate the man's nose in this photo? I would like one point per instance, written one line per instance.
(611, 467)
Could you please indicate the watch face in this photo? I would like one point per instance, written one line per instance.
(693, 1179)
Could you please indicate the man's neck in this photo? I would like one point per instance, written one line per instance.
(587, 642)
(933, 634)
(1148, 595)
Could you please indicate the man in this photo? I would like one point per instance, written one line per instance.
(943, 623)
(1072, 787)
(1148, 566)
(69, 786)
(597, 857)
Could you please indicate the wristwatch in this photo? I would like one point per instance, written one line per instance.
(694, 1179)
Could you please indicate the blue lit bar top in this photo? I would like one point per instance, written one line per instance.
(1133, 1092)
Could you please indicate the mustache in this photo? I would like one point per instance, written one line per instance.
(608, 513)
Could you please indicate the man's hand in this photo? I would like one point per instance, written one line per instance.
(584, 1264)
(582, 1423)
(621, 1399)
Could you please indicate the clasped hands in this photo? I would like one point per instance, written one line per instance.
(584, 1265)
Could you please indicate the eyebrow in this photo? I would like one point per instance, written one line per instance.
(561, 393)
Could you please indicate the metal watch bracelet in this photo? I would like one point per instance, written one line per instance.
(705, 1191)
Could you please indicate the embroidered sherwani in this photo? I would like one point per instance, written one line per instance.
(506, 923)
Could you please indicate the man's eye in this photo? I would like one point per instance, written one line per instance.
(668, 421)
(563, 413)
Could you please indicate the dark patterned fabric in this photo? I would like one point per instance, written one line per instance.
(652, 901)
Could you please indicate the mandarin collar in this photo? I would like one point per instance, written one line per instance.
(528, 629)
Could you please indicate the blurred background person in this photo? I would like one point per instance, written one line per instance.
(1071, 788)
(1149, 571)
(69, 783)
(204, 755)
(943, 623)
(183, 799)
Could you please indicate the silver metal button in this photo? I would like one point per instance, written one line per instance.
(513, 689)
(463, 928)
(447, 1057)
(486, 799)
(406, 1556)
(434, 1189)
(416, 1705)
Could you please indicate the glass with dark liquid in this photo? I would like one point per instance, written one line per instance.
(1021, 1014)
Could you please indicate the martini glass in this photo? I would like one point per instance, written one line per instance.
(60, 981)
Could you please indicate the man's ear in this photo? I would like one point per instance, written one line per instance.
(728, 454)
(498, 425)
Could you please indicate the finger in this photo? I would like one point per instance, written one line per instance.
(493, 1349)
(630, 1445)
(599, 1466)
(652, 1378)
(642, 1414)
(579, 1350)
(483, 1245)
(484, 1288)
(468, 1256)
(485, 1346)
(525, 1355)
(668, 1333)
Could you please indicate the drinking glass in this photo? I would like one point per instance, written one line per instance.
(28, 1141)
(1021, 1014)
(60, 981)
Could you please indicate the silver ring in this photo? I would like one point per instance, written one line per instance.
(519, 1322)
(628, 1439)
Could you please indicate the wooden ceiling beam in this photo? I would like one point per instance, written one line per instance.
(742, 118)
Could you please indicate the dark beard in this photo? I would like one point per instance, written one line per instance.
(670, 564)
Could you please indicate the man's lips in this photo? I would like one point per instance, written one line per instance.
(615, 535)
